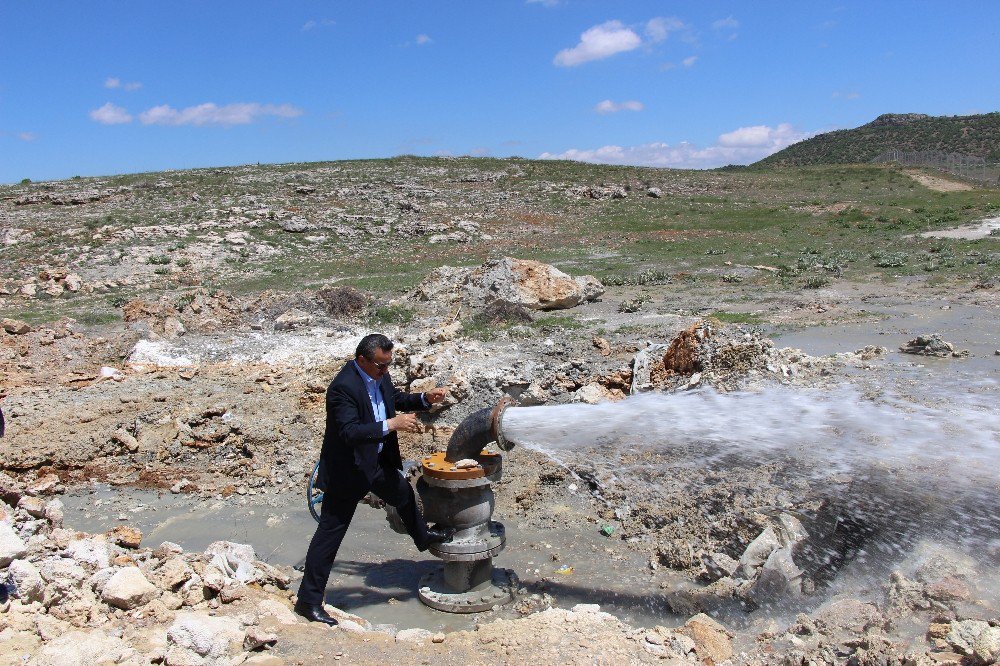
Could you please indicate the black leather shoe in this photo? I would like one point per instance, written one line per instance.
(315, 613)
(437, 536)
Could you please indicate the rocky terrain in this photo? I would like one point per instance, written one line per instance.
(177, 332)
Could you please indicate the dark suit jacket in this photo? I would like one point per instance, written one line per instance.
(350, 457)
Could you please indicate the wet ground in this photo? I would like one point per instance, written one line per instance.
(377, 570)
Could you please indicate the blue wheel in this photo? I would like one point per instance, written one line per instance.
(314, 494)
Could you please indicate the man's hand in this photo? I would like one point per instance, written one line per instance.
(404, 423)
(435, 396)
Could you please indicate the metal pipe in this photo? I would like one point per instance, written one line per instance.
(477, 430)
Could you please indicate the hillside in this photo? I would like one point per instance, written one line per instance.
(977, 135)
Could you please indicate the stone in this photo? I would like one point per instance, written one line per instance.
(413, 635)
(15, 326)
(11, 546)
(758, 551)
(235, 561)
(949, 588)
(33, 505)
(530, 284)
(297, 225)
(446, 333)
(846, 614)
(712, 641)
(73, 282)
(717, 565)
(964, 634)
(174, 573)
(654, 192)
(27, 581)
(206, 636)
(279, 611)
(54, 512)
(256, 638)
(986, 646)
(292, 319)
(128, 589)
(591, 394)
(125, 536)
(92, 552)
(84, 648)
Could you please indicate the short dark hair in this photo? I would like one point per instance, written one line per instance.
(370, 343)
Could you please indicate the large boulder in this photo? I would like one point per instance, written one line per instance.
(523, 282)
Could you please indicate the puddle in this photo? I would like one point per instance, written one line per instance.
(377, 570)
(971, 328)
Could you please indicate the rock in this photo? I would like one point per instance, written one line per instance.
(92, 552)
(173, 327)
(848, 615)
(438, 638)
(712, 641)
(206, 636)
(128, 589)
(297, 225)
(931, 345)
(11, 489)
(591, 394)
(235, 561)
(282, 613)
(84, 648)
(654, 192)
(125, 536)
(34, 506)
(73, 282)
(15, 326)
(11, 546)
(413, 636)
(529, 284)
(950, 588)
(964, 635)
(26, 580)
(778, 577)
(256, 638)
(986, 646)
(54, 512)
(758, 551)
(292, 319)
(717, 565)
(446, 333)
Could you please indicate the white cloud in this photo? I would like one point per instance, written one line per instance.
(109, 114)
(241, 113)
(114, 82)
(27, 136)
(423, 39)
(659, 28)
(607, 106)
(741, 146)
(543, 3)
(317, 23)
(689, 61)
(851, 94)
(601, 41)
(728, 23)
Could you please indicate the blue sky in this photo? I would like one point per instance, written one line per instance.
(90, 88)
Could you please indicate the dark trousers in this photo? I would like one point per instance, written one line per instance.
(335, 517)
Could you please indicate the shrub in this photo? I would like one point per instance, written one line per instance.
(342, 301)
(816, 282)
(159, 260)
(503, 312)
(398, 315)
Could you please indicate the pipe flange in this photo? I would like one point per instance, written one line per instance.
(435, 466)
(434, 592)
(456, 484)
(496, 416)
(470, 550)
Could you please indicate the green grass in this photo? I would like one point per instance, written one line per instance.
(737, 317)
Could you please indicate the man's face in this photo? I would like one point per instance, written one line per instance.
(378, 365)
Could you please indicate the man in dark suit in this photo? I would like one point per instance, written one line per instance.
(361, 454)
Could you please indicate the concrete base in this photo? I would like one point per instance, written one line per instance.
(435, 592)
